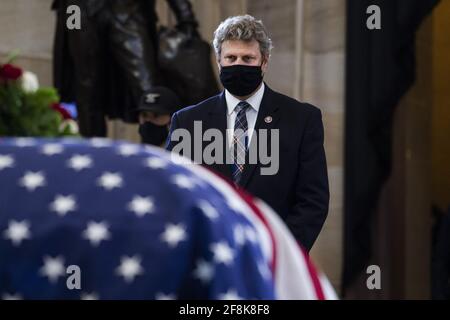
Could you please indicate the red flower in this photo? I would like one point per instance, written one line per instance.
(10, 72)
(63, 112)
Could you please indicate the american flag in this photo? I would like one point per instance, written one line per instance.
(133, 224)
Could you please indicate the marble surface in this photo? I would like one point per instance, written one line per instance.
(27, 26)
(325, 23)
(323, 84)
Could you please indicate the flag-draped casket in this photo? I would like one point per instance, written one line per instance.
(114, 220)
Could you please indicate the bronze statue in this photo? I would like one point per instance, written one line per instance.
(108, 64)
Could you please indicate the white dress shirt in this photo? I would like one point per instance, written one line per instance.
(254, 101)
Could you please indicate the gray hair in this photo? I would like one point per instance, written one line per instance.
(245, 28)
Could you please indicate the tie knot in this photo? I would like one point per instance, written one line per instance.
(242, 106)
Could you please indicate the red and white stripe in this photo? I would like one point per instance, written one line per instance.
(295, 276)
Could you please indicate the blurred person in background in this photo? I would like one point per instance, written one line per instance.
(155, 109)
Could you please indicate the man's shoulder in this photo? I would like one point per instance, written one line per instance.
(293, 106)
(200, 108)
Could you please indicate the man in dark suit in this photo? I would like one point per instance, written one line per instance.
(298, 189)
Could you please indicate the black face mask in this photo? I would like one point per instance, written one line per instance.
(241, 80)
(153, 134)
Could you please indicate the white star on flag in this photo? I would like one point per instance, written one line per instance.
(141, 205)
(89, 296)
(129, 268)
(237, 204)
(174, 234)
(208, 209)
(17, 231)
(264, 270)
(51, 149)
(24, 142)
(110, 180)
(204, 271)
(63, 204)
(239, 234)
(79, 162)
(96, 232)
(100, 142)
(149, 148)
(222, 253)
(229, 295)
(127, 150)
(155, 163)
(33, 180)
(183, 181)
(162, 296)
(53, 268)
(7, 296)
(6, 161)
(251, 234)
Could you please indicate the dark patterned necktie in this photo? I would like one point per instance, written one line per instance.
(239, 146)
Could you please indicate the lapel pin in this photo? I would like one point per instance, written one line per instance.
(268, 119)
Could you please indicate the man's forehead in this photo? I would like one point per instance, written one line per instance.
(240, 46)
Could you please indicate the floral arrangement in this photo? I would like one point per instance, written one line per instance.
(27, 110)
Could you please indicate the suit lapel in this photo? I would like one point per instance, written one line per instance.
(217, 118)
(267, 118)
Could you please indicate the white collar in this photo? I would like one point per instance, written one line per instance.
(254, 101)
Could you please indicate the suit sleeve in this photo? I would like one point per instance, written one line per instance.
(311, 191)
(174, 124)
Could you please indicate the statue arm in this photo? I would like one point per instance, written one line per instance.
(183, 12)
